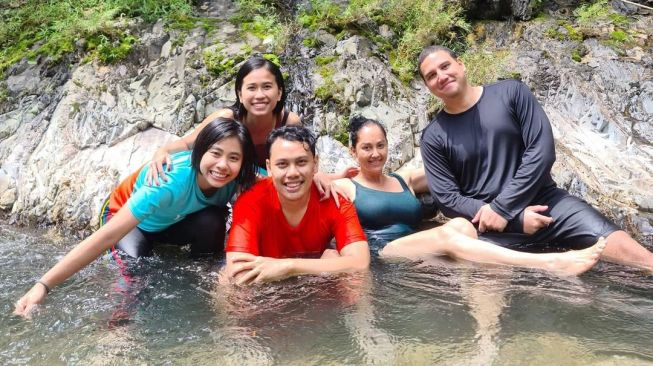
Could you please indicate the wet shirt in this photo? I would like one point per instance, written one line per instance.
(500, 151)
(387, 215)
(158, 207)
(259, 226)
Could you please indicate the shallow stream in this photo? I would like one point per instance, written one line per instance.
(167, 310)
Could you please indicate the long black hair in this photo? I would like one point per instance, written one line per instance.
(255, 63)
(220, 129)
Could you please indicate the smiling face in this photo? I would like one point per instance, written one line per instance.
(260, 92)
(443, 75)
(220, 165)
(371, 149)
(292, 167)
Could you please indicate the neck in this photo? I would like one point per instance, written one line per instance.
(464, 101)
(260, 123)
(294, 207)
(204, 186)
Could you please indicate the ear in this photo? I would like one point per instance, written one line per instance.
(280, 94)
(316, 159)
(267, 165)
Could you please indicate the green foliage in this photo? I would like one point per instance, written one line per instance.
(619, 36)
(416, 24)
(341, 134)
(110, 48)
(564, 32)
(590, 14)
(311, 42)
(29, 28)
(272, 58)
(484, 66)
(576, 55)
(261, 19)
(218, 63)
(324, 60)
(328, 90)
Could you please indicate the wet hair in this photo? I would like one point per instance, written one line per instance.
(293, 133)
(218, 130)
(433, 49)
(255, 63)
(358, 122)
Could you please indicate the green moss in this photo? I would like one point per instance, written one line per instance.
(110, 48)
(576, 55)
(328, 90)
(619, 36)
(341, 134)
(415, 23)
(272, 58)
(324, 60)
(564, 32)
(311, 42)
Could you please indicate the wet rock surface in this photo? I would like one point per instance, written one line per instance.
(70, 133)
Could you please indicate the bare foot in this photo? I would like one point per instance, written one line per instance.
(575, 262)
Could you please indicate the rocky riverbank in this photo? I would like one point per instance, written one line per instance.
(70, 131)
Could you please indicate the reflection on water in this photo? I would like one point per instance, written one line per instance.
(168, 310)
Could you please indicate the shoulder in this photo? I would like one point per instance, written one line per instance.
(293, 119)
(223, 113)
(433, 130)
(253, 196)
(347, 187)
(511, 87)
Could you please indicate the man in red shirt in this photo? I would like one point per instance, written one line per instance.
(282, 229)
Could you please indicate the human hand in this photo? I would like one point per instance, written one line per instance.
(160, 157)
(533, 221)
(256, 270)
(326, 188)
(488, 220)
(349, 172)
(36, 295)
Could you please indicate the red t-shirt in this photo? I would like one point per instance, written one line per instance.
(259, 226)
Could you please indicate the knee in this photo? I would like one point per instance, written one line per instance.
(462, 226)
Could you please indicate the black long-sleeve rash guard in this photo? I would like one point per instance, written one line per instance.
(500, 151)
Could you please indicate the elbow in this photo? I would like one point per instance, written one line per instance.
(361, 263)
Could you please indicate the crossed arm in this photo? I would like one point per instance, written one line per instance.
(517, 193)
(246, 269)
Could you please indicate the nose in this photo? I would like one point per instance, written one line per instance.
(375, 153)
(221, 163)
(259, 93)
(292, 171)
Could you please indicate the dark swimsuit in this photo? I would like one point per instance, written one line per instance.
(386, 216)
(261, 149)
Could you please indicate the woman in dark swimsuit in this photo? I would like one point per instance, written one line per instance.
(389, 213)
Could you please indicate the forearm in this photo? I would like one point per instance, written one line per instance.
(324, 266)
(91, 248)
(176, 146)
(354, 257)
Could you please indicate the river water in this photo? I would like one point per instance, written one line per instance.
(167, 310)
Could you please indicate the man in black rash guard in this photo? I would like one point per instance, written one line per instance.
(488, 157)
